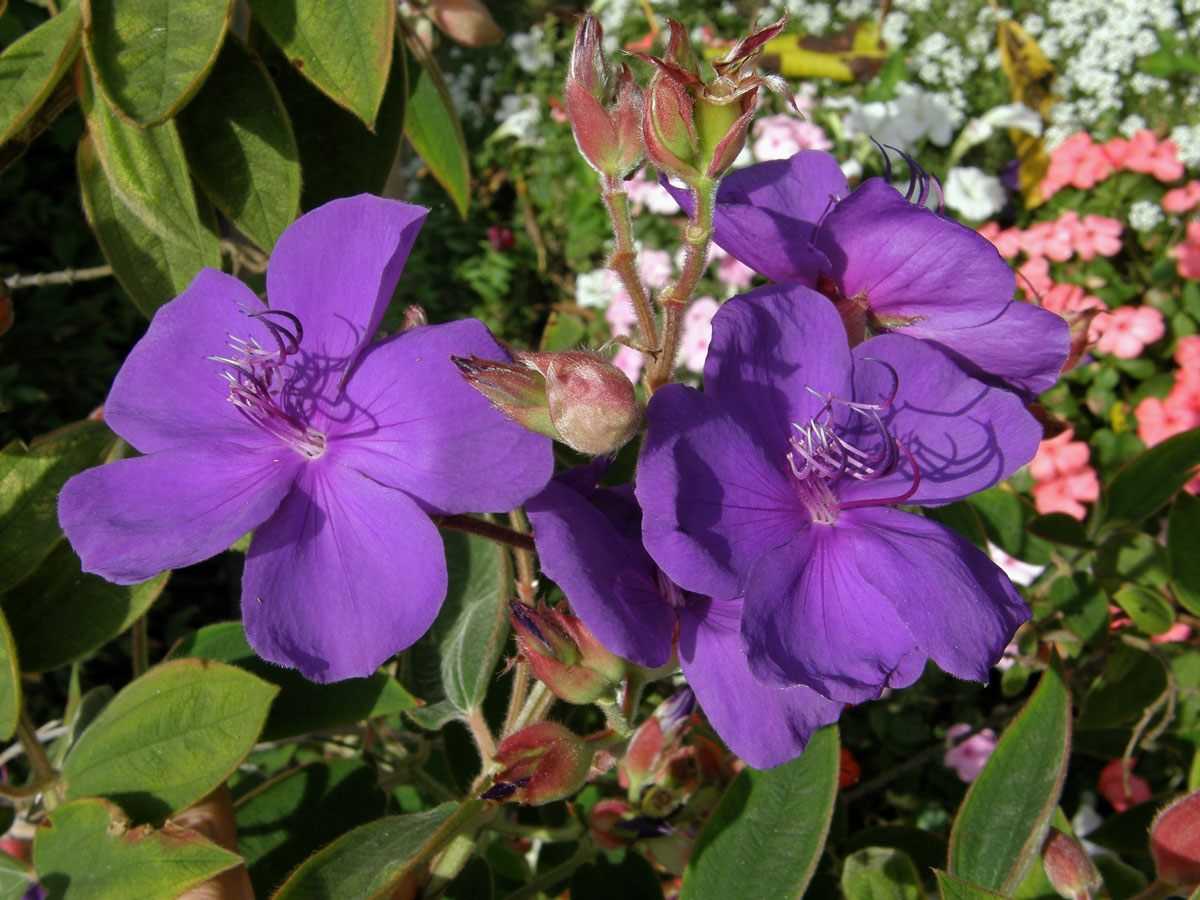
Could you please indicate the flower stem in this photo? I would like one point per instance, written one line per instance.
(482, 734)
(525, 560)
(45, 775)
(498, 533)
(624, 258)
(555, 876)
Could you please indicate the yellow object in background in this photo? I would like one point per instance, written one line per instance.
(856, 54)
(1030, 74)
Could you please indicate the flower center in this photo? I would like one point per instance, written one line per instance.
(261, 389)
(825, 451)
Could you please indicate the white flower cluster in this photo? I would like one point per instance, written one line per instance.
(913, 115)
(533, 54)
(1187, 139)
(1145, 215)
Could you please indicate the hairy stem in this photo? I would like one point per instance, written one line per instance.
(498, 533)
(624, 258)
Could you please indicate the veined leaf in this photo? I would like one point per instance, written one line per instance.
(434, 129)
(32, 65)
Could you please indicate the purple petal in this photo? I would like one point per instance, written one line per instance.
(1023, 347)
(963, 435)
(412, 422)
(336, 267)
(909, 262)
(133, 518)
(765, 726)
(957, 604)
(769, 348)
(810, 617)
(167, 393)
(714, 498)
(345, 574)
(610, 581)
(767, 213)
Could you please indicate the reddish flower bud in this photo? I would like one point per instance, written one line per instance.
(1070, 870)
(515, 390)
(1175, 843)
(592, 403)
(848, 770)
(695, 129)
(1081, 324)
(605, 108)
(542, 763)
(414, 317)
(466, 22)
(655, 740)
(1120, 788)
(565, 655)
(605, 816)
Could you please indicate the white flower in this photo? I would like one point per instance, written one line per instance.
(519, 118)
(1006, 115)
(1145, 215)
(530, 47)
(1017, 570)
(597, 289)
(973, 193)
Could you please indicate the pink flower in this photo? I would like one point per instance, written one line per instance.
(1055, 240)
(1146, 155)
(1033, 277)
(968, 758)
(1187, 352)
(650, 194)
(783, 136)
(1116, 790)
(1127, 330)
(1097, 235)
(1187, 254)
(630, 362)
(1007, 241)
(1160, 419)
(1064, 479)
(697, 332)
(1182, 199)
(620, 314)
(1177, 633)
(655, 268)
(1077, 161)
(731, 271)
(1068, 298)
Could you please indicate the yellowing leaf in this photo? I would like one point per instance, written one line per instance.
(856, 54)
(1030, 74)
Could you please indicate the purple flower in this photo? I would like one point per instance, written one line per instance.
(775, 485)
(289, 421)
(589, 543)
(889, 265)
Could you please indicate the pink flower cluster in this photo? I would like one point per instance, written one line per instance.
(1179, 411)
(1063, 479)
(1187, 254)
(1182, 199)
(782, 136)
(1082, 163)
(1059, 240)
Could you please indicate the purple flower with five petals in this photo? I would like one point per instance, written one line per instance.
(589, 543)
(776, 485)
(289, 421)
(889, 265)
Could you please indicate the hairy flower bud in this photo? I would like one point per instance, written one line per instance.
(1070, 870)
(465, 22)
(605, 108)
(1175, 842)
(565, 655)
(591, 402)
(515, 390)
(542, 763)
(695, 129)
(655, 740)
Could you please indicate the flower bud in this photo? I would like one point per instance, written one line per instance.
(1070, 870)
(1175, 843)
(542, 763)
(605, 109)
(414, 317)
(514, 390)
(465, 22)
(655, 740)
(564, 655)
(1081, 325)
(603, 821)
(1121, 788)
(592, 403)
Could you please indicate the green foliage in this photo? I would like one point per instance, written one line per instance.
(32, 66)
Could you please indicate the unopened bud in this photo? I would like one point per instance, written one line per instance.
(592, 403)
(605, 108)
(465, 22)
(1081, 326)
(414, 317)
(655, 740)
(1071, 872)
(1175, 843)
(542, 763)
(564, 655)
(603, 821)
(515, 390)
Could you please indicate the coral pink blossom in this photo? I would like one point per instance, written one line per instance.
(1122, 793)
(968, 758)
(1064, 480)
(1078, 161)
(1183, 199)
(655, 267)
(1161, 419)
(1187, 254)
(1055, 240)
(1007, 241)
(1127, 330)
(1097, 236)
(1147, 155)
(1187, 352)
(1033, 278)
(1068, 298)
(731, 271)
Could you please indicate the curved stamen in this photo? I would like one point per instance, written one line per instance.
(899, 498)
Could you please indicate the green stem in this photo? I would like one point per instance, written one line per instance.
(472, 814)
(538, 695)
(555, 876)
(489, 530)
(45, 775)
(624, 258)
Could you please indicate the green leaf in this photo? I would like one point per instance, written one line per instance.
(169, 738)
(1004, 817)
(84, 851)
(30, 481)
(926, 849)
(1083, 606)
(10, 683)
(1059, 528)
(1183, 537)
(1149, 480)
(366, 860)
(339, 155)
(59, 613)
(152, 267)
(454, 664)
(1131, 681)
(302, 706)
(283, 822)
(344, 47)
(952, 888)
(32, 65)
(1120, 880)
(434, 129)
(150, 57)
(1150, 612)
(1132, 556)
(239, 145)
(15, 877)
(766, 834)
(881, 873)
(1005, 519)
(563, 331)
(631, 879)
